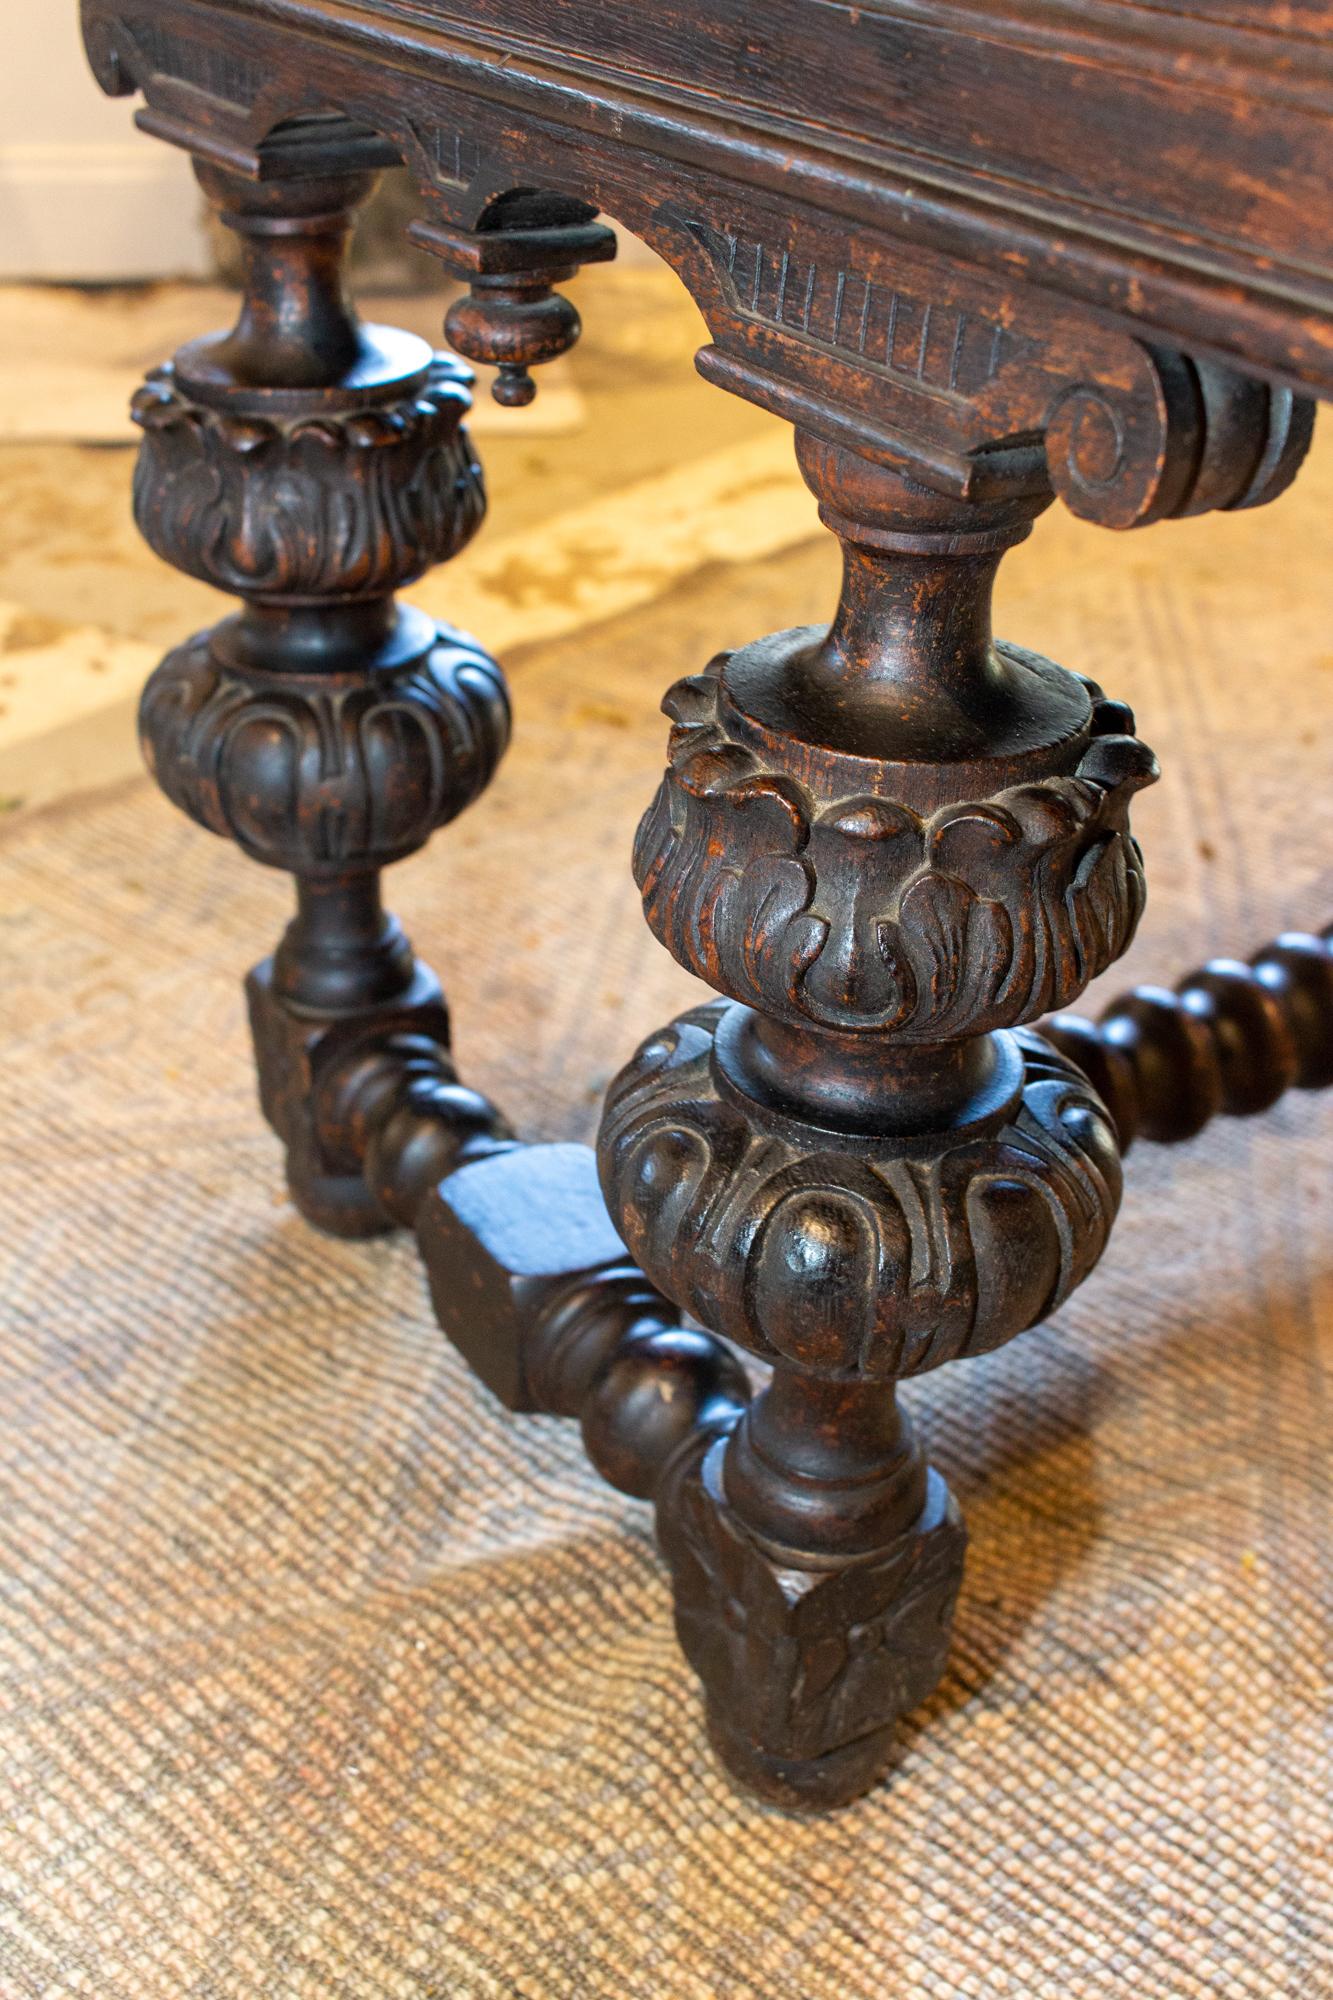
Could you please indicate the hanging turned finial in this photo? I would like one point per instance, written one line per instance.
(512, 318)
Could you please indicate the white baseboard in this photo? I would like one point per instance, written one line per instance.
(98, 212)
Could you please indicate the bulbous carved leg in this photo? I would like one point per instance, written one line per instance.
(311, 465)
(889, 845)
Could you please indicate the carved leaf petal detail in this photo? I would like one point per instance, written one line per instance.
(781, 1646)
(983, 915)
(855, 1263)
(348, 505)
(312, 777)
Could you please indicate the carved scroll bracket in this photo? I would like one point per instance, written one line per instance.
(1190, 438)
(974, 386)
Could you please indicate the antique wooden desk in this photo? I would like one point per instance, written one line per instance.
(981, 254)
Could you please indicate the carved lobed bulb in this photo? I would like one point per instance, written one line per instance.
(348, 503)
(858, 913)
(855, 1259)
(319, 774)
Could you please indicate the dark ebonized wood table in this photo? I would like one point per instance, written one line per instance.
(982, 255)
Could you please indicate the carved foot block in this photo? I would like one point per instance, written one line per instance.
(807, 1671)
(300, 1058)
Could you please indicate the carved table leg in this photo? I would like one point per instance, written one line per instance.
(531, 1283)
(311, 465)
(890, 845)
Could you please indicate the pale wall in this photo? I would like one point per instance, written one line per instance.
(83, 195)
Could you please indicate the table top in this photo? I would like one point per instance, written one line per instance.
(1174, 160)
(967, 238)
(1212, 118)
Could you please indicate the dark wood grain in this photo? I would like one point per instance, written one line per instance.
(982, 256)
(885, 843)
(1168, 169)
(312, 464)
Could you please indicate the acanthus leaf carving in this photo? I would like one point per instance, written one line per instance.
(350, 502)
(861, 914)
(818, 1662)
(322, 773)
(872, 1261)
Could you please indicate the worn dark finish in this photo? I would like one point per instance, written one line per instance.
(532, 1284)
(890, 843)
(313, 464)
(981, 257)
(513, 317)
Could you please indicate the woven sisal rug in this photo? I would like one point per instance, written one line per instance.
(321, 1677)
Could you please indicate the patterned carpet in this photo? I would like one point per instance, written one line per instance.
(322, 1677)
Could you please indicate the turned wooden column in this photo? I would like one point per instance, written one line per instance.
(890, 844)
(312, 465)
